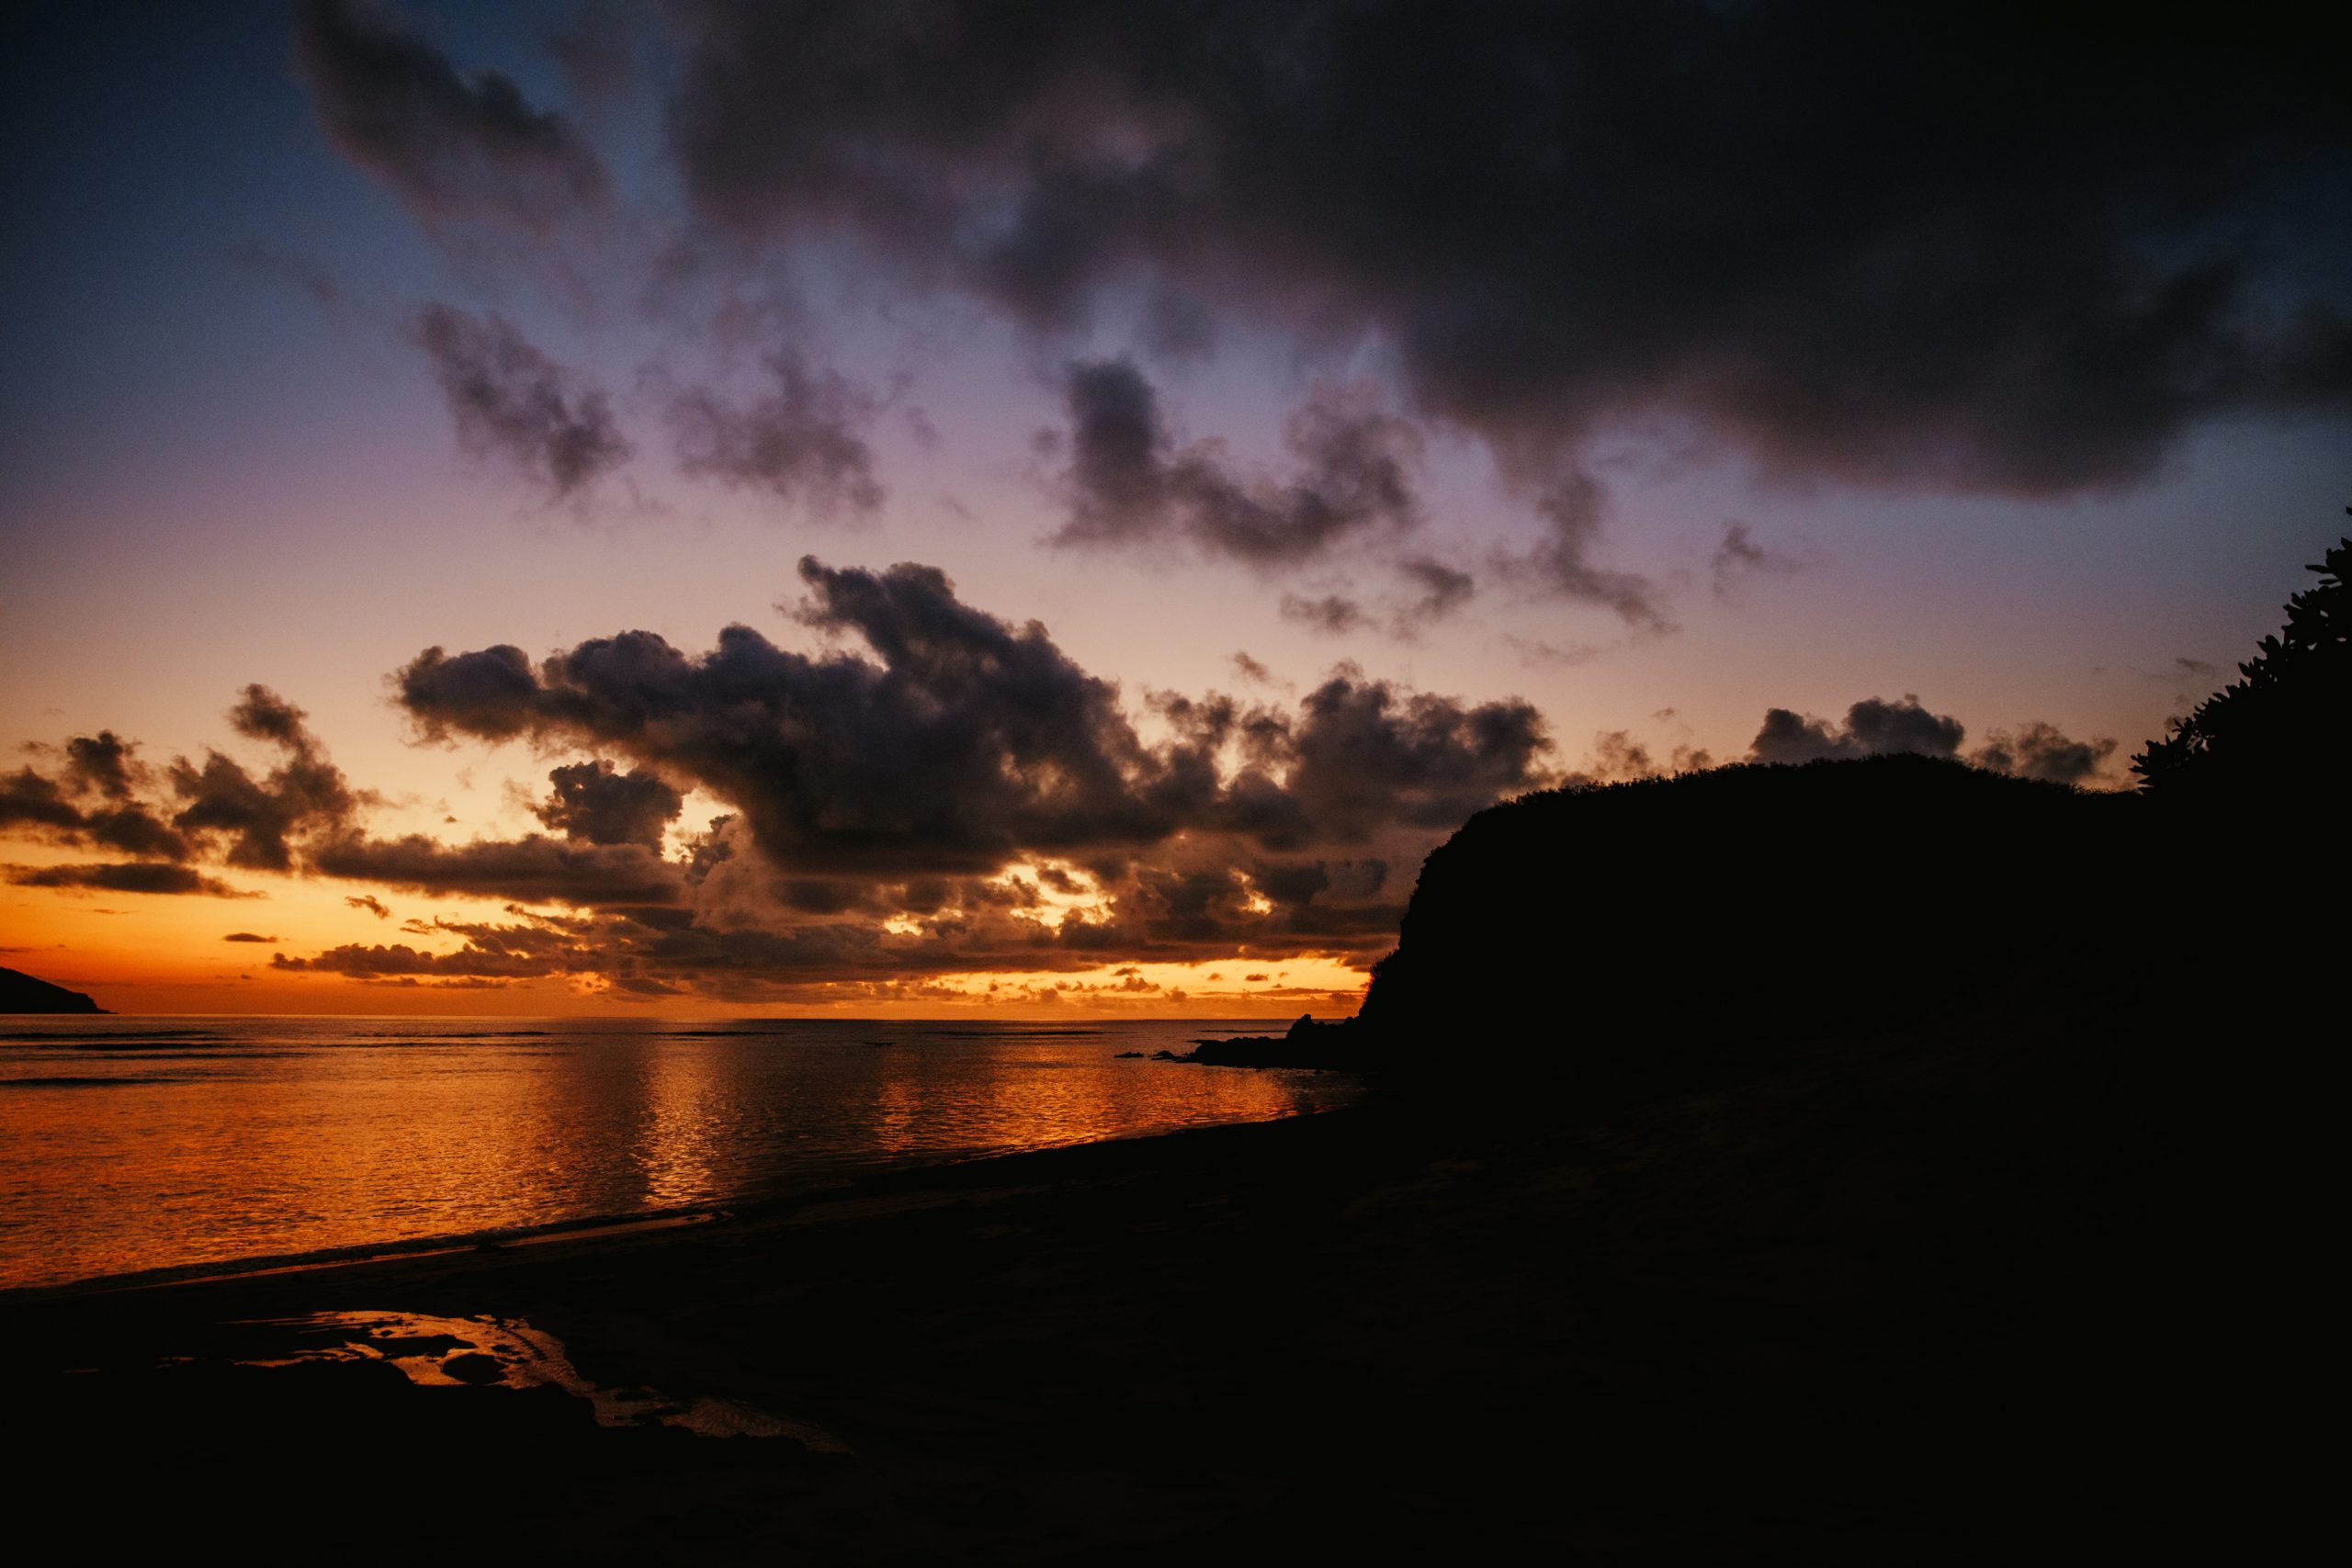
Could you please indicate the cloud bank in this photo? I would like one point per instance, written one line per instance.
(931, 790)
(1876, 727)
(1794, 229)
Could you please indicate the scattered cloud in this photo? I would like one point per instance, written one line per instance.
(1572, 502)
(1739, 557)
(1440, 589)
(258, 819)
(1876, 727)
(453, 147)
(803, 442)
(1538, 654)
(534, 867)
(970, 742)
(934, 790)
(2040, 750)
(1873, 727)
(512, 402)
(135, 876)
(1127, 482)
(1332, 614)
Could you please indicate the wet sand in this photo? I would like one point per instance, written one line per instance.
(1838, 1302)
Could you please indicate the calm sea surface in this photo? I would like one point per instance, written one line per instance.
(142, 1143)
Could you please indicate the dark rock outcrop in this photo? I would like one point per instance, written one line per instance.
(21, 992)
(1587, 923)
(1306, 1044)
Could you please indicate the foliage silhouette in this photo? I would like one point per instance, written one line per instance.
(2286, 725)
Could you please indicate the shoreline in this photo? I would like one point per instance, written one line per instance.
(579, 1227)
(142, 1165)
(1743, 1311)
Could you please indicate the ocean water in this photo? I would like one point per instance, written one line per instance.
(136, 1143)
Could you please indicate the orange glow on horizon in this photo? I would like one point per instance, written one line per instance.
(170, 954)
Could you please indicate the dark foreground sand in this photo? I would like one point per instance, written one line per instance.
(1846, 1303)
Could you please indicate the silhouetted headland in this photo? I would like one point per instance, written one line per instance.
(21, 992)
(1588, 925)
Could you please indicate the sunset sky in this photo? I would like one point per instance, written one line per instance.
(911, 508)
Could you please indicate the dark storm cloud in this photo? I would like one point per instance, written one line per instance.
(492, 695)
(1873, 728)
(592, 803)
(804, 442)
(138, 876)
(1362, 755)
(2040, 750)
(1127, 483)
(1994, 249)
(967, 742)
(512, 401)
(452, 147)
(970, 739)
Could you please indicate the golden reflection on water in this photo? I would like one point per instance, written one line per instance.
(897, 1108)
(130, 1145)
(683, 1124)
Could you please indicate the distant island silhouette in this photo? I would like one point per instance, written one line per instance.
(21, 992)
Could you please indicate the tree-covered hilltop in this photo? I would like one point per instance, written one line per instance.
(2287, 721)
(1755, 900)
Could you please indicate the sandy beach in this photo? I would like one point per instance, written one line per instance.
(1841, 1302)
